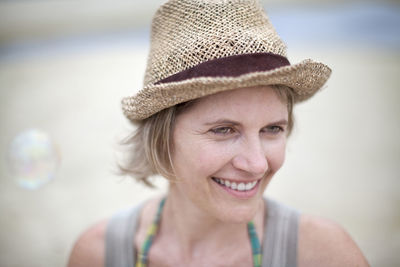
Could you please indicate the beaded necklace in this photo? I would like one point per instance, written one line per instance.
(152, 230)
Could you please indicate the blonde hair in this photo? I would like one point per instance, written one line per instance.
(149, 146)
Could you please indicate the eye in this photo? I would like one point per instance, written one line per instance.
(223, 130)
(274, 129)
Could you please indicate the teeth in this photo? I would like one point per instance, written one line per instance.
(236, 186)
(233, 185)
(248, 186)
(241, 187)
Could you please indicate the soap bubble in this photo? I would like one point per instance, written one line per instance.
(33, 159)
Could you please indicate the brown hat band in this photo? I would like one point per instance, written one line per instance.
(230, 66)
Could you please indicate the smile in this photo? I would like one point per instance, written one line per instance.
(236, 186)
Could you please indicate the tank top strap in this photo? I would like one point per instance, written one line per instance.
(280, 235)
(119, 239)
(279, 245)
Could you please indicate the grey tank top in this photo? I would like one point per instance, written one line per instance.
(279, 244)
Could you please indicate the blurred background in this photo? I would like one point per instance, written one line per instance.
(65, 65)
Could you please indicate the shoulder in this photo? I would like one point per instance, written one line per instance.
(325, 243)
(89, 248)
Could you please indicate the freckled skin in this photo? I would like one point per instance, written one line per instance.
(232, 135)
(244, 150)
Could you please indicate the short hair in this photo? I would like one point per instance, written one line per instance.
(148, 147)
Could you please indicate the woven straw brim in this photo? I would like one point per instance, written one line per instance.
(305, 78)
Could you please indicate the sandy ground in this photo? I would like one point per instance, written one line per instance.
(342, 160)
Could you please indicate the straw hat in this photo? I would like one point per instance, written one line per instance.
(201, 47)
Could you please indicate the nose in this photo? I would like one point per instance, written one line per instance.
(251, 158)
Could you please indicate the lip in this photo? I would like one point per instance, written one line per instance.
(239, 194)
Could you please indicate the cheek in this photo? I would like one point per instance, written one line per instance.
(276, 155)
(189, 158)
(212, 157)
(200, 159)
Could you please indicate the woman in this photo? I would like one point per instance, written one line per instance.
(213, 118)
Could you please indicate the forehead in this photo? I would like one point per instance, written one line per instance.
(239, 102)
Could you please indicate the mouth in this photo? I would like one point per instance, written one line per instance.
(238, 186)
(238, 189)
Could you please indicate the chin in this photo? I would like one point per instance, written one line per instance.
(242, 214)
(243, 210)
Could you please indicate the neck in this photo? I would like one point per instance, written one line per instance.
(196, 231)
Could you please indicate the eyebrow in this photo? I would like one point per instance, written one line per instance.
(231, 122)
(280, 122)
(222, 121)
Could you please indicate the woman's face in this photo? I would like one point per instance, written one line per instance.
(226, 148)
